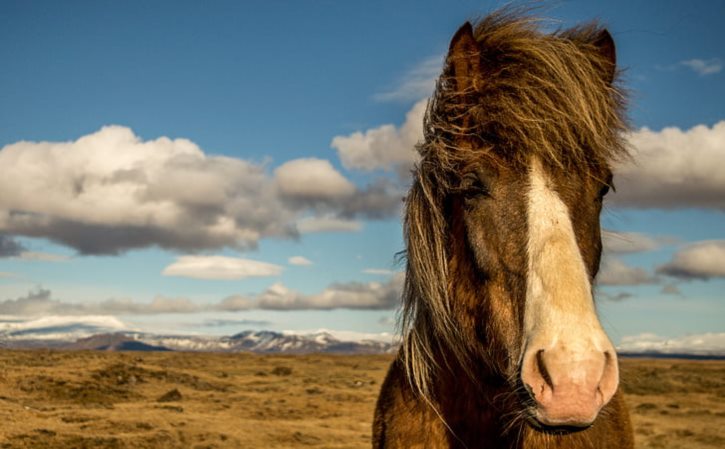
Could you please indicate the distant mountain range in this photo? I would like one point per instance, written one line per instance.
(104, 333)
(247, 341)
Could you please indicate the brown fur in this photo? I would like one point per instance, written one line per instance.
(507, 93)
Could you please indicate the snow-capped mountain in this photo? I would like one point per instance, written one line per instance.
(247, 341)
(270, 342)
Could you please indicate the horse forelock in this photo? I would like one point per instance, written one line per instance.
(536, 93)
(540, 95)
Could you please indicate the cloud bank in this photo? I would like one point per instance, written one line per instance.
(111, 191)
(674, 169)
(350, 295)
(712, 343)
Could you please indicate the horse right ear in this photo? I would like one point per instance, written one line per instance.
(464, 58)
(604, 43)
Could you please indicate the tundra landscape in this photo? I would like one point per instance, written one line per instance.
(108, 400)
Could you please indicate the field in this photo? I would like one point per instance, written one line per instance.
(107, 400)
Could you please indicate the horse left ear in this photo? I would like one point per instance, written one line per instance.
(605, 45)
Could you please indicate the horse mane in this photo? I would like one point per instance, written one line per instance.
(555, 96)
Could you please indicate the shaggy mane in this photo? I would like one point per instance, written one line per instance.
(537, 94)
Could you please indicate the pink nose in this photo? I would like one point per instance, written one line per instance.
(569, 388)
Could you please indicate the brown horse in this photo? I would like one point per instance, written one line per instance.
(502, 347)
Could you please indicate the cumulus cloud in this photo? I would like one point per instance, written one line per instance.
(111, 191)
(615, 272)
(313, 180)
(703, 66)
(220, 267)
(299, 261)
(417, 83)
(386, 147)
(351, 295)
(673, 168)
(701, 260)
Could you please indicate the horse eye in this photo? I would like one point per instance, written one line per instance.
(473, 186)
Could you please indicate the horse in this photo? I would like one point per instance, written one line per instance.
(502, 347)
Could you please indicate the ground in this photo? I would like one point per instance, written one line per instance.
(165, 400)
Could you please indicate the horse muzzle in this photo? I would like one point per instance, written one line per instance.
(569, 387)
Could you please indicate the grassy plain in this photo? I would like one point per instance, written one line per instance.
(107, 400)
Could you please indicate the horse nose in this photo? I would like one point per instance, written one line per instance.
(569, 388)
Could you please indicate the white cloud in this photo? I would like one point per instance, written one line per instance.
(616, 242)
(704, 66)
(351, 295)
(312, 179)
(300, 261)
(61, 327)
(39, 302)
(379, 271)
(220, 267)
(385, 147)
(310, 225)
(701, 260)
(673, 168)
(42, 257)
(111, 191)
(417, 83)
(705, 344)
(615, 272)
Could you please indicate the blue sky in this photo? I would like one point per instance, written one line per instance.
(271, 85)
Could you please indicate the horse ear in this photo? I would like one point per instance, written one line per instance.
(605, 45)
(464, 57)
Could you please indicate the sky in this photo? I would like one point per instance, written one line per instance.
(184, 168)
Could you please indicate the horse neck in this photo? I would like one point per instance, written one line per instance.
(476, 407)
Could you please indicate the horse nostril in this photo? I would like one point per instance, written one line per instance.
(541, 366)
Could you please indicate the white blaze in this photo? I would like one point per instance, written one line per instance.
(559, 311)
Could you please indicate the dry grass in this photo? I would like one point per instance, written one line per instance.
(128, 400)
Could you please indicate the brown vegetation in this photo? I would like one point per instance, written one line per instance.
(105, 400)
